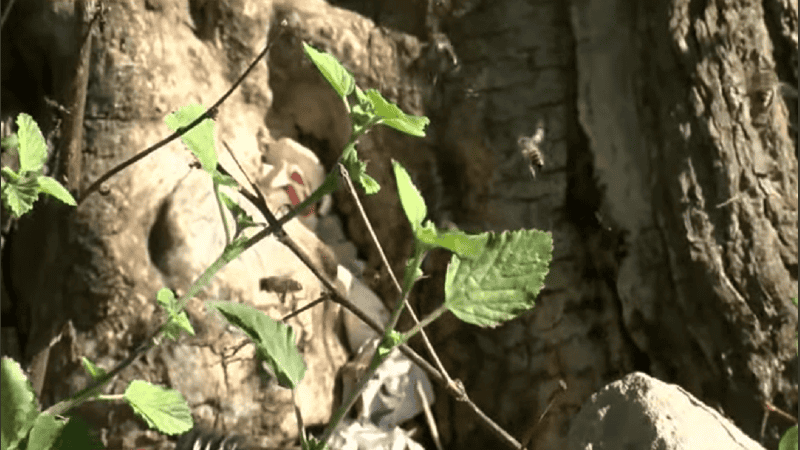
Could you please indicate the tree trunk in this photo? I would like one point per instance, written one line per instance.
(710, 184)
(671, 190)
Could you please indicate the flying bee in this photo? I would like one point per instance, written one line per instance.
(529, 147)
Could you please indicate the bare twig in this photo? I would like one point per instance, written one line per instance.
(298, 416)
(258, 200)
(781, 413)
(304, 308)
(527, 436)
(429, 416)
(769, 407)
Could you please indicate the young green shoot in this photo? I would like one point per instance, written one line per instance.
(19, 190)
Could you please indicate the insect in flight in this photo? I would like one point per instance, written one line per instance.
(530, 148)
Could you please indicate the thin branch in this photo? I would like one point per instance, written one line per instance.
(259, 200)
(304, 308)
(781, 413)
(529, 433)
(429, 416)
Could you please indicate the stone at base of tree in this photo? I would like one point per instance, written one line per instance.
(640, 411)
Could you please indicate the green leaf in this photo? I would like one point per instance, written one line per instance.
(9, 174)
(46, 431)
(20, 191)
(313, 443)
(177, 319)
(362, 113)
(369, 184)
(275, 342)
(178, 322)
(224, 180)
(234, 249)
(76, 436)
(394, 117)
(358, 170)
(200, 139)
(92, 369)
(19, 195)
(412, 272)
(503, 281)
(52, 187)
(467, 246)
(32, 148)
(392, 339)
(410, 198)
(18, 408)
(789, 440)
(243, 220)
(166, 298)
(163, 409)
(333, 71)
(363, 108)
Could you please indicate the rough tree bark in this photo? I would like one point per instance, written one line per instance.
(703, 173)
(676, 151)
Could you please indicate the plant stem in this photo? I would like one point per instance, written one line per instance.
(222, 214)
(408, 282)
(424, 322)
(352, 396)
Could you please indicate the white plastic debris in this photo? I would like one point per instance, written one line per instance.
(352, 435)
(362, 296)
(390, 397)
(329, 231)
(292, 173)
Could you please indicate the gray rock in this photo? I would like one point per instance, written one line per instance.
(641, 412)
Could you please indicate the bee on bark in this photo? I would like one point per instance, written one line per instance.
(530, 148)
